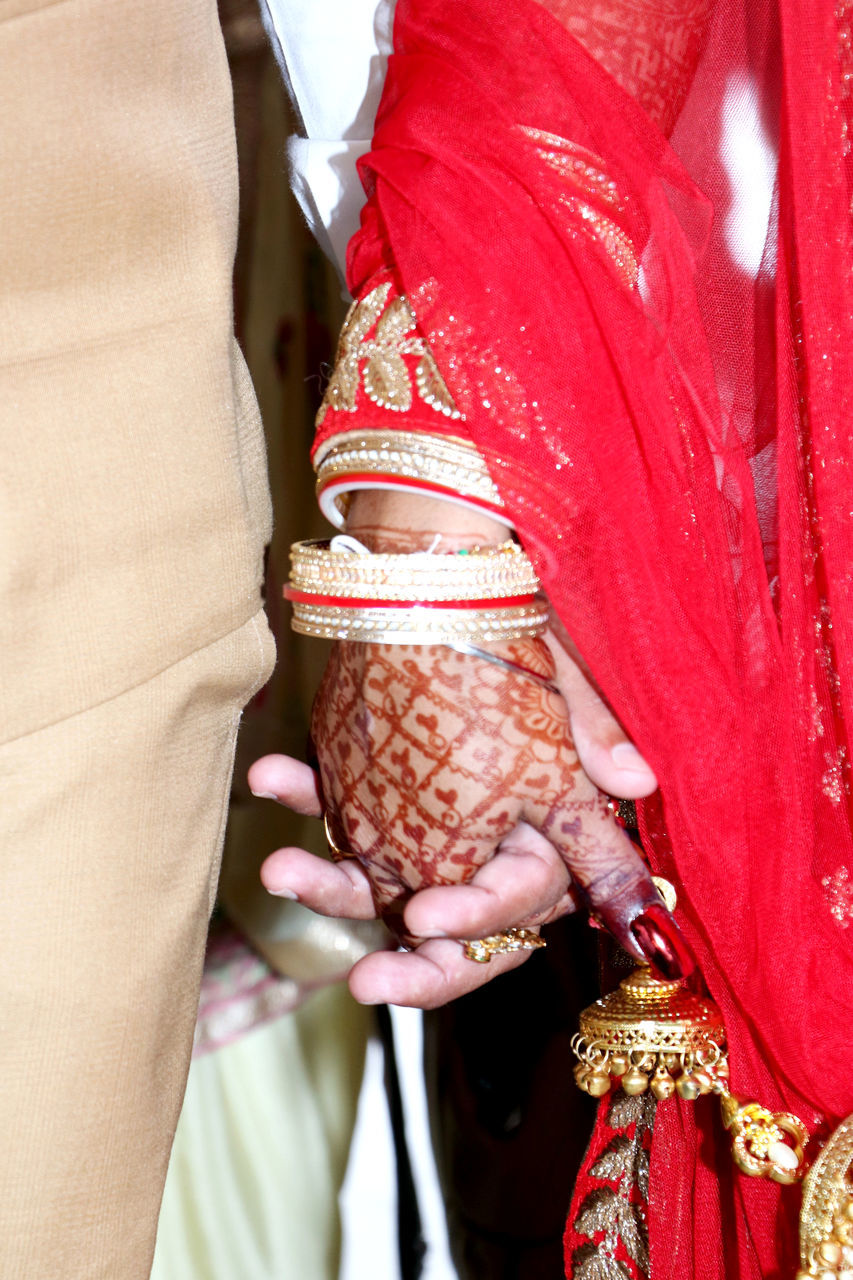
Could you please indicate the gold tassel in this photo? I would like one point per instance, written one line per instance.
(655, 1035)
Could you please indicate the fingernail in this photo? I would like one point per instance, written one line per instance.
(284, 893)
(264, 795)
(662, 943)
(433, 933)
(626, 756)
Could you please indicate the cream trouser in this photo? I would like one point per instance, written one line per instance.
(133, 514)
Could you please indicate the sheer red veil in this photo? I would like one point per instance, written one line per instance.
(670, 428)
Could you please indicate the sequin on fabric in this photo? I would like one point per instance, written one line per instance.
(583, 171)
(839, 893)
(378, 333)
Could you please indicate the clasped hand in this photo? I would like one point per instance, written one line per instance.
(471, 799)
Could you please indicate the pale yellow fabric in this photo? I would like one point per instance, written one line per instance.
(261, 1150)
(133, 513)
(132, 487)
(111, 822)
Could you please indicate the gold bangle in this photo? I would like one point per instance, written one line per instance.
(431, 625)
(498, 573)
(433, 464)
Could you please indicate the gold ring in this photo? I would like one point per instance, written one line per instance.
(498, 944)
(336, 851)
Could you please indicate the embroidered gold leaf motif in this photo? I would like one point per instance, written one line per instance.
(612, 1214)
(633, 1233)
(432, 388)
(386, 381)
(617, 1160)
(379, 360)
(642, 1172)
(599, 1212)
(603, 231)
(592, 1263)
(576, 164)
(626, 1110)
(360, 319)
(362, 316)
(395, 322)
(590, 187)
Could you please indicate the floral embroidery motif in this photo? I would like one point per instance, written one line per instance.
(377, 363)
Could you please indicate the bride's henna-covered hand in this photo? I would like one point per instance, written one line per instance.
(430, 759)
(523, 877)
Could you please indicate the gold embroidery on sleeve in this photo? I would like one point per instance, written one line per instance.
(378, 362)
(611, 1216)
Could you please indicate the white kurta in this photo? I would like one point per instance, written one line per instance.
(333, 55)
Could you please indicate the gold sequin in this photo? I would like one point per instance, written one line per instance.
(582, 171)
(839, 892)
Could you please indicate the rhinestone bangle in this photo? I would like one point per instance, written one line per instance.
(437, 465)
(419, 625)
(489, 574)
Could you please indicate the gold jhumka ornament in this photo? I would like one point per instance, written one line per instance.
(657, 1036)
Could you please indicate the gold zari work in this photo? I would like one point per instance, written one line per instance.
(437, 460)
(378, 362)
(613, 1216)
(582, 171)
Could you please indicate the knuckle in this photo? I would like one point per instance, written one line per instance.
(616, 885)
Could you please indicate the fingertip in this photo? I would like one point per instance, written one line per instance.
(617, 769)
(634, 772)
(287, 781)
(368, 982)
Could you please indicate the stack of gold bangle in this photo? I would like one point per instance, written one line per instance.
(434, 465)
(422, 598)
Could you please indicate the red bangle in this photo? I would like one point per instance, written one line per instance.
(358, 602)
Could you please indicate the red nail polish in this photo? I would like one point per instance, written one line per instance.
(662, 943)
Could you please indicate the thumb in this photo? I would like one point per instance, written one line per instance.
(608, 757)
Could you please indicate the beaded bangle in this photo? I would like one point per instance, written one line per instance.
(421, 598)
(436, 466)
(488, 573)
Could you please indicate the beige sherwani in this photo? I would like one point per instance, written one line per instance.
(133, 514)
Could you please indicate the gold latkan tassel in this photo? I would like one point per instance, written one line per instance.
(655, 1035)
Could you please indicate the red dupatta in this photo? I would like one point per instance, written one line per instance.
(673, 438)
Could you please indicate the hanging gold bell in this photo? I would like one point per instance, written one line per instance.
(651, 1034)
(655, 1035)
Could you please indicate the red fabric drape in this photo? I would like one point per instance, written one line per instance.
(677, 459)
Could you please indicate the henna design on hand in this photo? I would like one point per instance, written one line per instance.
(429, 758)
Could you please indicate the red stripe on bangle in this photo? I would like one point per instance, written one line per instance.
(353, 602)
(346, 480)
